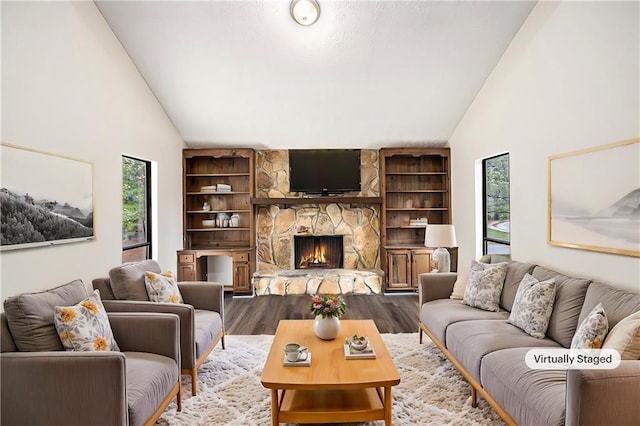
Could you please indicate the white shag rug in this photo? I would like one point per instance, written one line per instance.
(431, 391)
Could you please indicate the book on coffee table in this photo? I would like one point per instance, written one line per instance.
(366, 353)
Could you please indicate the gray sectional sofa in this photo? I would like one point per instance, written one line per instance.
(490, 352)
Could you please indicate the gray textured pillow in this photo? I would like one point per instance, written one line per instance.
(485, 285)
(592, 330)
(533, 305)
(30, 316)
(127, 281)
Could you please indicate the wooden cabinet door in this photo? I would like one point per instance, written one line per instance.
(241, 277)
(420, 264)
(186, 273)
(398, 269)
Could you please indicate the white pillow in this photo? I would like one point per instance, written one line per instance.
(533, 305)
(592, 330)
(460, 285)
(485, 285)
(85, 326)
(625, 337)
(162, 287)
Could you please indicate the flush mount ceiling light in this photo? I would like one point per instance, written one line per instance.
(305, 12)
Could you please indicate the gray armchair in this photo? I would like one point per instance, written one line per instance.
(131, 387)
(201, 314)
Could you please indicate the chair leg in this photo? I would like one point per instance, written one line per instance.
(223, 333)
(420, 334)
(474, 397)
(179, 396)
(194, 381)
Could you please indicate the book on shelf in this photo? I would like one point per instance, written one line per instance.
(366, 353)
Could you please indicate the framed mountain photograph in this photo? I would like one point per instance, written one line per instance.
(45, 199)
(594, 199)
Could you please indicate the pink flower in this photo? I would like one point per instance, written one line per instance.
(317, 299)
(317, 306)
(326, 310)
(331, 302)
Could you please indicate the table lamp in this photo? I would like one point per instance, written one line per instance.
(441, 236)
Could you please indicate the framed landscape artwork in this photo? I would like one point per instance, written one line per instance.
(594, 199)
(46, 199)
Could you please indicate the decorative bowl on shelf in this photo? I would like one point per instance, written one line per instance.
(358, 343)
(209, 223)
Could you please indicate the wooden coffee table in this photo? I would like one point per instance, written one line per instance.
(332, 389)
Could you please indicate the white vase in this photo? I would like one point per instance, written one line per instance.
(326, 328)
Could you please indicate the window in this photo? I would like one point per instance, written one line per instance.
(495, 189)
(136, 209)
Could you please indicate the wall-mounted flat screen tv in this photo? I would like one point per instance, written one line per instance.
(324, 171)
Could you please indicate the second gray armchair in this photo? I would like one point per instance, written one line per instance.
(201, 314)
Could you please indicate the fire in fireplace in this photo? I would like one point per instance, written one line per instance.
(318, 251)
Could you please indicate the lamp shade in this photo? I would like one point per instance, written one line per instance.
(440, 236)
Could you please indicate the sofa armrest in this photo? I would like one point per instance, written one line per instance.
(205, 295)
(156, 333)
(40, 388)
(597, 397)
(435, 286)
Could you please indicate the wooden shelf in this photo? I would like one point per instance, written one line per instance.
(218, 193)
(216, 174)
(316, 200)
(212, 229)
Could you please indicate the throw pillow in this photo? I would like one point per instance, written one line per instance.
(485, 285)
(533, 305)
(592, 331)
(460, 285)
(85, 326)
(625, 337)
(162, 287)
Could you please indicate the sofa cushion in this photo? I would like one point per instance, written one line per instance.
(515, 273)
(162, 287)
(437, 315)
(150, 377)
(470, 341)
(485, 285)
(570, 293)
(617, 303)
(533, 305)
(592, 331)
(625, 337)
(127, 281)
(30, 316)
(85, 326)
(530, 397)
(208, 326)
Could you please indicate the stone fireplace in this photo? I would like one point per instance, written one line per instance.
(278, 226)
(317, 251)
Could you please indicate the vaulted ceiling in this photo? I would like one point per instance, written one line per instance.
(367, 74)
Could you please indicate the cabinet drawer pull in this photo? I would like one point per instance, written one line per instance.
(185, 258)
(241, 257)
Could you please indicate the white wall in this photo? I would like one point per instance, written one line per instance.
(568, 81)
(69, 88)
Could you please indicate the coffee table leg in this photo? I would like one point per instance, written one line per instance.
(387, 406)
(275, 409)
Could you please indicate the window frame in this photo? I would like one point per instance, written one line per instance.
(148, 203)
(486, 240)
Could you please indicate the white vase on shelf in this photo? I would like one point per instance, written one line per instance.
(326, 328)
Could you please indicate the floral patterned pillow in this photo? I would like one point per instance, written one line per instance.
(592, 331)
(85, 326)
(485, 285)
(533, 305)
(162, 287)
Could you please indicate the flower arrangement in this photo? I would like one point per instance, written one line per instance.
(327, 306)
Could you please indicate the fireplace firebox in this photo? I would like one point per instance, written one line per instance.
(318, 251)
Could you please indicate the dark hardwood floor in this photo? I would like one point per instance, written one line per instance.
(393, 313)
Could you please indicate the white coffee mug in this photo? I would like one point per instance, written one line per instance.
(294, 352)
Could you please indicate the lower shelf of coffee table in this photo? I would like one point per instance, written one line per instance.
(331, 406)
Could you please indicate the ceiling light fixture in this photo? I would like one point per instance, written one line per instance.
(305, 12)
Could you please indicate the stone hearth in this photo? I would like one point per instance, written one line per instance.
(313, 281)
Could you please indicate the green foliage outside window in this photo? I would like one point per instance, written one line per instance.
(497, 197)
(134, 201)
